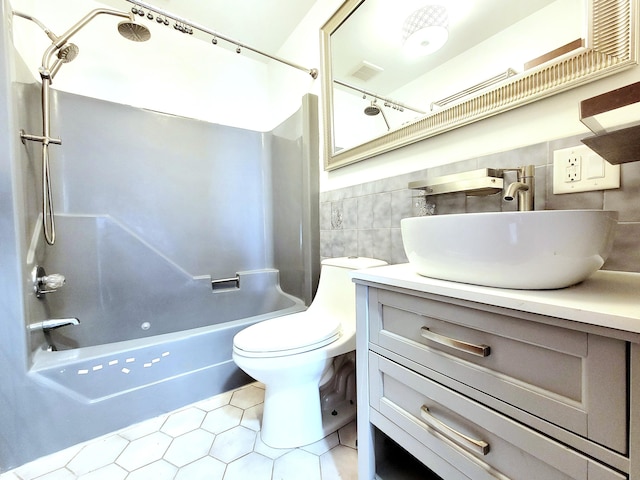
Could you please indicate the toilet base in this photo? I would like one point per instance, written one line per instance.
(287, 424)
(315, 412)
(305, 423)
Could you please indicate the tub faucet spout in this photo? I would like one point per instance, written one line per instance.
(523, 188)
(53, 323)
(46, 326)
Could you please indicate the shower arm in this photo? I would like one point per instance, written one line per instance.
(311, 71)
(59, 42)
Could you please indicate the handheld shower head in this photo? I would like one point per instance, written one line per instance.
(65, 54)
(134, 31)
(68, 52)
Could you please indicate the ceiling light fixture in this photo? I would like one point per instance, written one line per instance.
(425, 30)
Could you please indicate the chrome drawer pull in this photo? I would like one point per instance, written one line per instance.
(478, 446)
(479, 350)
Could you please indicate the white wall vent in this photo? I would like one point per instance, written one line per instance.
(366, 71)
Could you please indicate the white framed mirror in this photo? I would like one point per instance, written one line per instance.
(497, 55)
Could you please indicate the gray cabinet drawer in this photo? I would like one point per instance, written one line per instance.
(574, 380)
(479, 442)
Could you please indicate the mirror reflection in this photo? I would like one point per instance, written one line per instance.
(393, 63)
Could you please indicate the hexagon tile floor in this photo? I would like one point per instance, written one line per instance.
(216, 439)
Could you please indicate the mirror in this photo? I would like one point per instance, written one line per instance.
(497, 55)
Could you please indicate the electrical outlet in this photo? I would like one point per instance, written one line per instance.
(573, 168)
(580, 169)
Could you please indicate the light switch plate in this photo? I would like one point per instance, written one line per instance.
(580, 169)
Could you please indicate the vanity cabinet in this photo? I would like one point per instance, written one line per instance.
(477, 389)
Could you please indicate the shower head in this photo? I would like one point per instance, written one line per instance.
(65, 54)
(68, 52)
(134, 31)
(372, 110)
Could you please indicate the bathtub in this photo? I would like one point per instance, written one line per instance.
(189, 355)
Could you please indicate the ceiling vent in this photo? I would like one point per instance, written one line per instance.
(366, 71)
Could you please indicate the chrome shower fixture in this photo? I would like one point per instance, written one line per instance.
(134, 31)
(57, 54)
(373, 110)
(68, 52)
(43, 283)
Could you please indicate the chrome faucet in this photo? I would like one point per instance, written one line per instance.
(43, 283)
(523, 187)
(47, 325)
(52, 324)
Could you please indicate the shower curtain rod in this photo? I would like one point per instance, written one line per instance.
(311, 71)
(375, 95)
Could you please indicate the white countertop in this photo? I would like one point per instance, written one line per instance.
(607, 299)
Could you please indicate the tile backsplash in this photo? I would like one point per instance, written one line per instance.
(364, 219)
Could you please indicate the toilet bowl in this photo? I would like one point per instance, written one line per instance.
(293, 355)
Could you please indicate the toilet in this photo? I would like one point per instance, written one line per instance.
(293, 355)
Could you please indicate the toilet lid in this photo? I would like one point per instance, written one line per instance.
(287, 335)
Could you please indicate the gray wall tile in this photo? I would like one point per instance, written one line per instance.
(381, 205)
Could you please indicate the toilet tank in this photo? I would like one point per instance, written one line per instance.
(336, 294)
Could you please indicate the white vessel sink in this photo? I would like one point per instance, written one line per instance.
(535, 250)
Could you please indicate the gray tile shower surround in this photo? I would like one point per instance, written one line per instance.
(365, 219)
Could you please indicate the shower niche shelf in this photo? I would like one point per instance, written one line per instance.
(614, 118)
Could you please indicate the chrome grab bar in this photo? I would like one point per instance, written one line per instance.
(478, 350)
(477, 446)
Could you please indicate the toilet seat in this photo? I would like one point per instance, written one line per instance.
(287, 335)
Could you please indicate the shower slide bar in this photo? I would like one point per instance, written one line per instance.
(311, 71)
(61, 51)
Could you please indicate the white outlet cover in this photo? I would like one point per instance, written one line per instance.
(590, 162)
